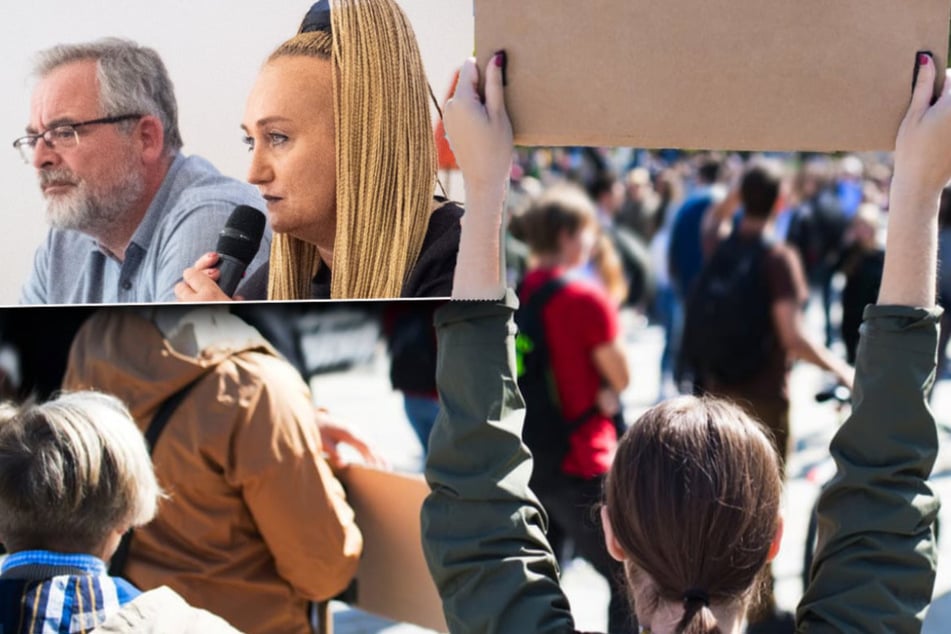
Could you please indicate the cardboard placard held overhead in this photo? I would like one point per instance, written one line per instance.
(821, 75)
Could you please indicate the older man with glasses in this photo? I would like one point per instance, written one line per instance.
(128, 211)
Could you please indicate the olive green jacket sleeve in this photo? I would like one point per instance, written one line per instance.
(875, 563)
(483, 529)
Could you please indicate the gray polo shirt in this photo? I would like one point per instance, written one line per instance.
(180, 225)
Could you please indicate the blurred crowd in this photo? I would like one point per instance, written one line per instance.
(650, 209)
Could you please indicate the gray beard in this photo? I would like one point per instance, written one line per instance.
(94, 213)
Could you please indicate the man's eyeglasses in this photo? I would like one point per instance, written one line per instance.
(63, 136)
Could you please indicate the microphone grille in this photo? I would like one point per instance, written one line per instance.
(241, 236)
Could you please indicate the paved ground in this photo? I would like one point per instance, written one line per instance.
(363, 397)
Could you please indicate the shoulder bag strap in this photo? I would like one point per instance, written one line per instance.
(152, 433)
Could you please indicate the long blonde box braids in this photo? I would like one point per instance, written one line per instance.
(386, 160)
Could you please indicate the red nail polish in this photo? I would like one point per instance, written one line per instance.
(500, 61)
(923, 59)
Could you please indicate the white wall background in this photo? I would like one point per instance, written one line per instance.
(212, 48)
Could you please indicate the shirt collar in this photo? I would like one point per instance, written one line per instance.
(86, 563)
(146, 230)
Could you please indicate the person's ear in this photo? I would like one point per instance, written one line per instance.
(781, 199)
(150, 133)
(777, 539)
(614, 548)
(564, 239)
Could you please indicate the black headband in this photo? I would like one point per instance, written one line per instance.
(695, 595)
(318, 18)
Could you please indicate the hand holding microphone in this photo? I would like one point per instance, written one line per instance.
(216, 275)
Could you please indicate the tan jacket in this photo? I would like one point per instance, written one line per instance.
(255, 524)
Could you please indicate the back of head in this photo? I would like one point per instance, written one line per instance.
(562, 208)
(760, 187)
(693, 500)
(603, 184)
(385, 154)
(867, 223)
(132, 80)
(708, 172)
(813, 176)
(72, 471)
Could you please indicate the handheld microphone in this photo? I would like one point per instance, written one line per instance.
(238, 243)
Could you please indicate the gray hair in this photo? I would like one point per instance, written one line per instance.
(72, 471)
(132, 80)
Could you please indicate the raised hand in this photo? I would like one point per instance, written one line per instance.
(481, 137)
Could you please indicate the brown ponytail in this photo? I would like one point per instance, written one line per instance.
(698, 619)
(693, 500)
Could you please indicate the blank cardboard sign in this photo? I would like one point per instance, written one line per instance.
(393, 580)
(820, 75)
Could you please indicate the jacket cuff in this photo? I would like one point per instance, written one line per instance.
(920, 325)
(472, 310)
(892, 317)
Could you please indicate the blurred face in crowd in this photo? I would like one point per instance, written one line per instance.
(576, 248)
(289, 127)
(90, 185)
(612, 200)
(638, 184)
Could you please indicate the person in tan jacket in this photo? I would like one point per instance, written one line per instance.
(256, 524)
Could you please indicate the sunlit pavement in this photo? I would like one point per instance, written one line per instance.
(363, 398)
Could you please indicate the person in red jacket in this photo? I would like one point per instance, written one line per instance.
(580, 325)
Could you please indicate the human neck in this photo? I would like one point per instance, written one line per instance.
(326, 256)
(552, 260)
(750, 224)
(729, 621)
(116, 237)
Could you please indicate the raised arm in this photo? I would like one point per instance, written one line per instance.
(481, 139)
(483, 529)
(875, 563)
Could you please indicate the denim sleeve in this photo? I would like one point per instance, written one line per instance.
(875, 563)
(483, 528)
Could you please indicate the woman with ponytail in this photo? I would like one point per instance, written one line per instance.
(339, 129)
(691, 503)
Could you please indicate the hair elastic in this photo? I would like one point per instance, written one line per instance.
(318, 18)
(694, 596)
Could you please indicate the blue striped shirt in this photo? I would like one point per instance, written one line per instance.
(43, 592)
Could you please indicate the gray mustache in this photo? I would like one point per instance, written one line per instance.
(57, 177)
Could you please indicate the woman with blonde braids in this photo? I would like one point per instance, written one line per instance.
(339, 129)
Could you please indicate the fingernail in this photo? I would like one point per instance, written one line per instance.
(923, 58)
(501, 60)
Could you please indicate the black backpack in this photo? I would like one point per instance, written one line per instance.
(546, 431)
(728, 330)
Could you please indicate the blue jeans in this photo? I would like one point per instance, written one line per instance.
(421, 412)
(670, 315)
